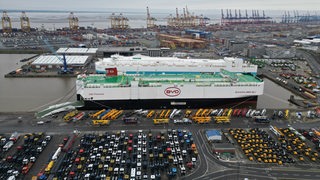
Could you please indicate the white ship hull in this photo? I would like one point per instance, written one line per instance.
(166, 92)
(169, 95)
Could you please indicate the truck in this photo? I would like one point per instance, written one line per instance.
(198, 113)
(188, 113)
(160, 121)
(167, 113)
(276, 131)
(161, 115)
(56, 154)
(109, 114)
(130, 120)
(102, 114)
(117, 114)
(70, 115)
(95, 115)
(100, 122)
(222, 119)
(202, 120)
(79, 116)
(150, 114)
(49, 167)
(261, 119)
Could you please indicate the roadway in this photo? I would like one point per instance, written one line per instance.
(207, 167)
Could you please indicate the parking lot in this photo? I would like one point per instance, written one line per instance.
(130, 155)
(275, 146)
(121, 150)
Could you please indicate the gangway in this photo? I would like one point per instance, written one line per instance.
(59, 108)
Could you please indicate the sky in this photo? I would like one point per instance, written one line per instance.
(101, 5)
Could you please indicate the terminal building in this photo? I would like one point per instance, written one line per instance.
(224, 148)
(220, 144)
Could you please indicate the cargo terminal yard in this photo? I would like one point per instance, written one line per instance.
(202, 142)
(138, 130)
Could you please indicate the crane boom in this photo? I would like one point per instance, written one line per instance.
(64, 61)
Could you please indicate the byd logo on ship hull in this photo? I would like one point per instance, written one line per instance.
(172, 91)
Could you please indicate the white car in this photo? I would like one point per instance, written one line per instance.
(40, 122)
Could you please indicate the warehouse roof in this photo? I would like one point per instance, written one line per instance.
(213, 132)
(214, 135)
(77, 50)
(52, 59)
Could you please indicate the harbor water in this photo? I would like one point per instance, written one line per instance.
(33, 94)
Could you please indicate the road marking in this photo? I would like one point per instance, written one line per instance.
(307, 175)
(296, 174)
(284, 174)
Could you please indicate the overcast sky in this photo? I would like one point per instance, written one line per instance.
(91, 5)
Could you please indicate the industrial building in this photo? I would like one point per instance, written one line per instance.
(77, 51)
(236, 46)
(214, 135)
(56, 62)
(224, 148)
(130, 51)
(198, 34)
(176, 41)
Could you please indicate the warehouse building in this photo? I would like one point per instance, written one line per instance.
(214, 135)
(223, 148)
(78, 51)
(56, 62)
(131, 51)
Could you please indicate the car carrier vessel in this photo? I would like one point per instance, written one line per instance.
(224, 89)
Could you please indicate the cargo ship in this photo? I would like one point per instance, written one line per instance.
(149, 91)
(140, 64)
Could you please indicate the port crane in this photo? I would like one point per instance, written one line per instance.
(65, 69)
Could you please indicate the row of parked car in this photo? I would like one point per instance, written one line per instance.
(130, 155)
(21, 159)
(258, 145)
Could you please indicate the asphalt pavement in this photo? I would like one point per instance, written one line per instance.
(208, 166)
